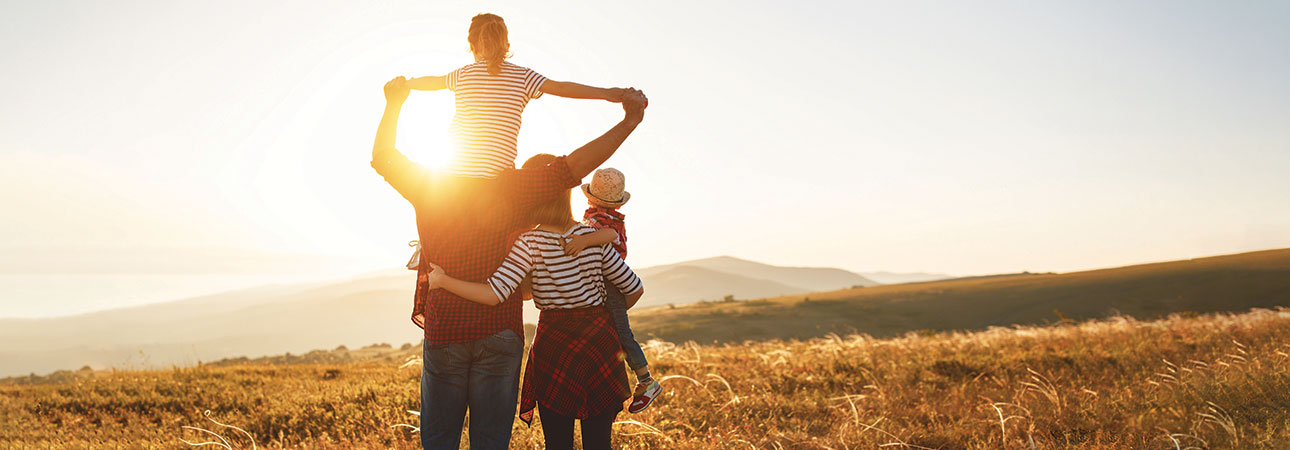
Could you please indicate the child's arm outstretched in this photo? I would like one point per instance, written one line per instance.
(599, 237)
(569, 89)
(428, 83)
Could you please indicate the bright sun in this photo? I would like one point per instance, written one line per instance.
(423, 128)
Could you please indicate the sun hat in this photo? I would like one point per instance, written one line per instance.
(607, 188)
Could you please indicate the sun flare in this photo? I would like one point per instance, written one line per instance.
(424, 135)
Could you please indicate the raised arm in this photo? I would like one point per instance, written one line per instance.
(405, 176)
(590, 156)
(428, 83)
(569, 89)
(396, 92)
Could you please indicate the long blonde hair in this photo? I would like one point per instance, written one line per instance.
(489, 41)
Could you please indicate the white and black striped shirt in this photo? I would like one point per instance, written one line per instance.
(561, 281)
(487, 123)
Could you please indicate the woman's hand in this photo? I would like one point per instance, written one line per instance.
(435, 277)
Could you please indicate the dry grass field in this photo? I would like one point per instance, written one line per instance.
(1228, 283)
(1187, 381)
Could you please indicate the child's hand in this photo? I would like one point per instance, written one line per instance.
(435, 277)
(396, 90)
(576, 245)
(615, 94)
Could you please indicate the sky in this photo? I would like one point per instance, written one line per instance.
(195, 139)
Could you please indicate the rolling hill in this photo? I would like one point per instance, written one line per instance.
(689, 284)
(365, 310)
(1215, 284)
(301, 317)
(884, 277)
(714, 278)
(251, 322)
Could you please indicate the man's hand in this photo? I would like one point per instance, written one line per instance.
(396, 90)
(420, 320)
(634, 103)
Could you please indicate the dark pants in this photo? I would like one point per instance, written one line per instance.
(558, 430)
(482, 376)
(616, 303)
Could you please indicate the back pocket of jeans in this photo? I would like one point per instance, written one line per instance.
(504, 343)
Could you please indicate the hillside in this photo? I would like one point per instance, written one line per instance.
(300, 317)
(361, 311)
(714, 278)
(1208, 382)
(884, 277)
(1222, 283)
(688, 284)
(252, 322)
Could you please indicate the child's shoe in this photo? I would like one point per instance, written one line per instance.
(645, 393)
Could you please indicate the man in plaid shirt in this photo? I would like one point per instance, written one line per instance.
(472, 353)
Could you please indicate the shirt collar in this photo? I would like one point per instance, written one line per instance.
(598, 210)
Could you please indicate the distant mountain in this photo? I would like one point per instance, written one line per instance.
(1230, 283)
(714, 278)
(353, 312)
(897, 278)
(680, 284)
(252, 322)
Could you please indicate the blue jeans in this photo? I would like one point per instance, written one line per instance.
(481, 375)
(616, 303)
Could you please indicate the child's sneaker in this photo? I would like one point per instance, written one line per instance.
(645, 394)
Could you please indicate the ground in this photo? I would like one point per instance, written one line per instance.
(1188, 381)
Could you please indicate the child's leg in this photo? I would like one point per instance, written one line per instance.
(617, 305)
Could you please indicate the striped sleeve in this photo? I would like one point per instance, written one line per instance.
(533, 83)
(511, 273)
(617, 272)
(452, 79)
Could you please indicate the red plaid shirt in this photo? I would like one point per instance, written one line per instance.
(599, 217)
(470, 252)
(574, 366)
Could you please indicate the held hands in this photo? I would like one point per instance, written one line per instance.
(396, 90)
(634, 103)
(615, 94)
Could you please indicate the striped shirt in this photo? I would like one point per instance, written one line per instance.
(561, 281)
(486, 125)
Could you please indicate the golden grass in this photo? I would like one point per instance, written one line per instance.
(1201, 382)
(1229, 283)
